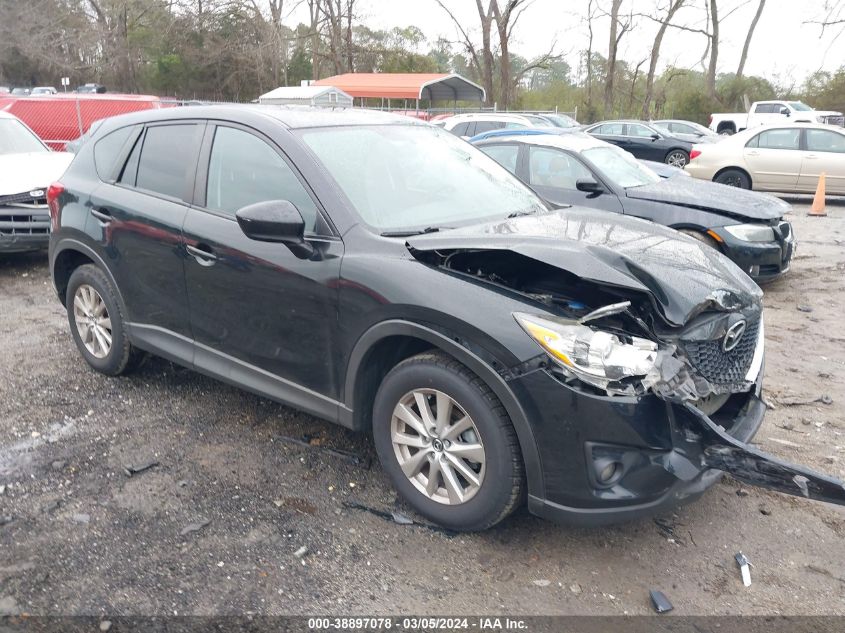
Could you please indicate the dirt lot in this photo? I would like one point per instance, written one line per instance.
(78, 535)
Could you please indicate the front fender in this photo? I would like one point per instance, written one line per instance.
(482, 368)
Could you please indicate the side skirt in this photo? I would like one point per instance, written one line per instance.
(206, 360)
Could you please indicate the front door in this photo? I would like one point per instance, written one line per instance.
(256, 308)
(773, 158)
(553, 174)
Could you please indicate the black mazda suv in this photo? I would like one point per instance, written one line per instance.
(381, 273)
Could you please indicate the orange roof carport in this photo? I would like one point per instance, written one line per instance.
(431, 86)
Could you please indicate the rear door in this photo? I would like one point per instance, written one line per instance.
(610, 133)
(824, 151)
(139, 214)
(773, 158)
(258, 312)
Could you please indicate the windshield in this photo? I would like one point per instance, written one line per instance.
(801, 107)
(15, 138)
(561, 120)
(620, 167)
(413, 177)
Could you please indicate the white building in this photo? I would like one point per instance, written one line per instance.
(307, 95)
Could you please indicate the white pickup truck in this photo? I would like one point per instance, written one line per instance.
(770, 113)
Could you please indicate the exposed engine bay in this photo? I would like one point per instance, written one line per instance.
(698, 366)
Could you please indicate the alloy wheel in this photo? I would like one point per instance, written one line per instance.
(438, 446)
(92, 321)
(677, 159)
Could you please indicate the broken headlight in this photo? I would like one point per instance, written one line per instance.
(596, 357)
(751, 232)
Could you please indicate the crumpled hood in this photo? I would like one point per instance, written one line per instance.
(711, 196)
(20, 173)
(683, 276)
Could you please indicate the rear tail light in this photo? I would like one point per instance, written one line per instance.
(54, 191)
(694, 154)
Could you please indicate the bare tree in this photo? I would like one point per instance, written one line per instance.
(483, 60)
(748, 37)
(617, 31)
(673, 8)
(710, 77)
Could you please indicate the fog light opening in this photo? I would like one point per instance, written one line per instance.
(754, 271)
(608, 471)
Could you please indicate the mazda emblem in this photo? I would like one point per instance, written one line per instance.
(734, 335)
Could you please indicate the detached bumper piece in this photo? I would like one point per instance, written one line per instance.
(723, 452)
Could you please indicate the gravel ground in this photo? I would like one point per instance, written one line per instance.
(219, 523)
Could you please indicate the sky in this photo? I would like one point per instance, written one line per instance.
(784, 49)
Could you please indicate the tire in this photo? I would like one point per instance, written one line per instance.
(500, 488)
(733, 178)
(677, 158)
(89, 286)
(701, 237)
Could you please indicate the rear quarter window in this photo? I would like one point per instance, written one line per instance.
(109, 149)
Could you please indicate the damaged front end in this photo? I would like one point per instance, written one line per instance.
(626, 340)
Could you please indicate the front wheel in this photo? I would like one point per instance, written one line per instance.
(677, 158)
(734, 178)
(447, 444)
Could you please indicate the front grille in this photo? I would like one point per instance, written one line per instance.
(835, 120)
(25, 199)
(724, 370)
(21, 222)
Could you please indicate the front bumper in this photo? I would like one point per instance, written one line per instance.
(23, 228)
(762, 261)
(577, 430)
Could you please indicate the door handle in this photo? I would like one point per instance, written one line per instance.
(810, 156)
(752, 153)
(102, 215)
(202, 254)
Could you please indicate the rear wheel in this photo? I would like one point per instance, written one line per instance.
(677, 158)
(96, 321)
(734, 178)
(447, 443)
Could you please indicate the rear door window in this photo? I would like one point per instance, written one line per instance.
(609, 129)
(460, 129)
(488, 126)
(777, 139)
(505, 155)
(764, 108)
(162, 160)
(244, 169)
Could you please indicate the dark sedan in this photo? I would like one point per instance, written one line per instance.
(577, 169)
(643, 141)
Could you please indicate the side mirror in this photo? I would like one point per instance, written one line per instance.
(784, 111)
(588, 185)
(275, 221)
(655, 137)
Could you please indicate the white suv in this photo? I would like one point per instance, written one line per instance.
(468, 125)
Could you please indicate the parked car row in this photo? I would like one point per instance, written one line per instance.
(500, 349)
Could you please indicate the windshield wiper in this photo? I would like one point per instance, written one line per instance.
(409, 233)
